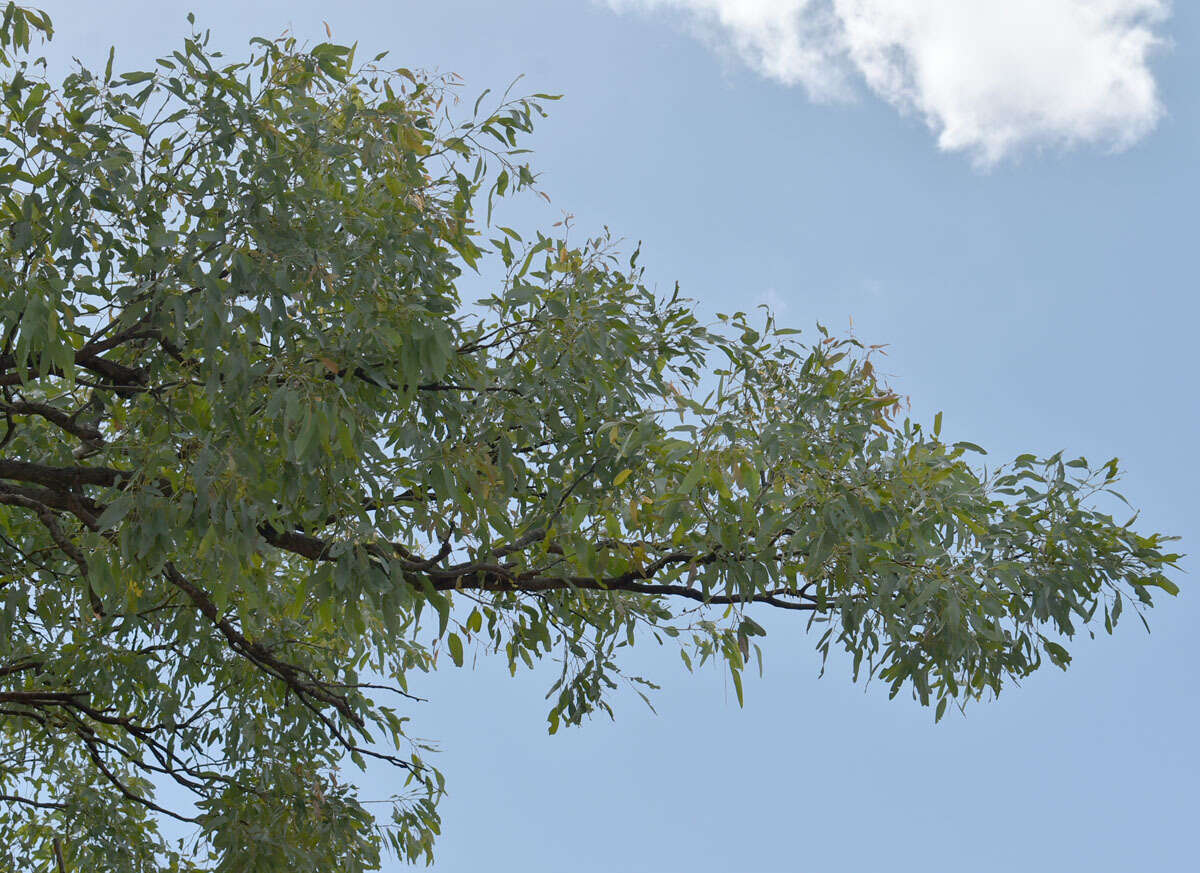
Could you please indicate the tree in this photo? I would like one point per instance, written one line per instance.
(261, 464)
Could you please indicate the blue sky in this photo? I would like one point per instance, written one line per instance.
(1023, 236)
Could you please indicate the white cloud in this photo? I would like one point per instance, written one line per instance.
(989, 77)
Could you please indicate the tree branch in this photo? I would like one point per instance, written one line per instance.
(61, 477)
(258, 654)
(55, 416)
(28, 801)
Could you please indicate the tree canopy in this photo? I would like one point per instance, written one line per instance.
(261, 465)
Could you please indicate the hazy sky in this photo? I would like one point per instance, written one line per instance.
(1005, 192)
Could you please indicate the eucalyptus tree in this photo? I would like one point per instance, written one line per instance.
(261, 465)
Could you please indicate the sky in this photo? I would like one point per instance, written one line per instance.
(1002, 191)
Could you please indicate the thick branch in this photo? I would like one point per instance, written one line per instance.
(55, 416)
(82, 507)
(60, 477)
(89, 355)
(494, 577)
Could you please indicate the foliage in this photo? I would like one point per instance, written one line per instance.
(260, 464)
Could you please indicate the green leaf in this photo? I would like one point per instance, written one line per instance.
(971, 447)
(692, 479)
(1164, 583)
(1057, 653)
(114, 513)
(456, 649)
